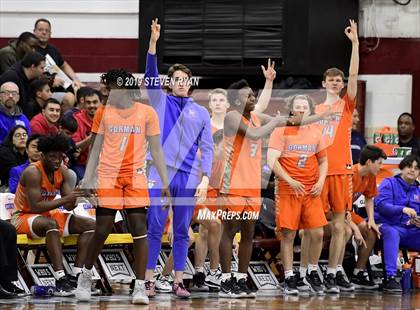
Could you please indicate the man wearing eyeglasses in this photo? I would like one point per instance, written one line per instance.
(10, 113)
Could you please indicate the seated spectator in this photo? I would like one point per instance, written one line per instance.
(46, 122)
(357, 139)
(12, 153)
(42, 30)
(397, 207)
(8, 263)
(33, 156)
(10, 113)
(364, 183)
(22, 73)
(36, 209)
(80, 95)
(68, 127)
(41, 92)
(406, 138)
(16, 50)
(84, 118)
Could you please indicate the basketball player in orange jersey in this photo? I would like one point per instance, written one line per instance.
(298, 158)
(337, 193)
(210, 230)
(241, 180)
(36, 208)
(121, 142)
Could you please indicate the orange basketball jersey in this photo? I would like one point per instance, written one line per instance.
(125, 132)
(363, 185)
(242, 170)
(48, 190)
(300, 149)
(337, 134)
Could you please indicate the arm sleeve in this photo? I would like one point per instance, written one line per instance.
(14, 176)
(152, 82)
(384, 201)
(206, 145)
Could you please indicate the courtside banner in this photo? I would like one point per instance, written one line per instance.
(42, 274)
(116, 266)
(262, 276)
(69, 258)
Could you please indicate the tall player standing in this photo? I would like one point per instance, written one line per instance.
(337, 191)
(118, 153)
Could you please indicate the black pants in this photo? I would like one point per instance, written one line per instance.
(8, 251)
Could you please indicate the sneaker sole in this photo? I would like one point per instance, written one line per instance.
(212, 285)
(392, 290)
(64, 294)
(365, 287)
(159, 290)
(346, 289)
(332, 291)
(200, 289)
(140, 301)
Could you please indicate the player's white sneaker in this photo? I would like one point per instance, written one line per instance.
(139, 293)
(84, 285)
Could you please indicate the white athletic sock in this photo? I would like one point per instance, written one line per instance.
(226, 276)
(302, 271)
(240, 276)
(356, 271)
(340, 268)
(59, 274)
(77, 270)
(312, 268)
(289, 273)
(199, 269)
(332, 271)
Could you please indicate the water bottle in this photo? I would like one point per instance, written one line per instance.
(406, 278)
(40, 290)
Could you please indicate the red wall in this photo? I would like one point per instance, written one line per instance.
(96, 55)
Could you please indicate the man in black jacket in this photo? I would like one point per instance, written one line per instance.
(406, 138)
(22, 73)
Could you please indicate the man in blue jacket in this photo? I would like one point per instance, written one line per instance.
(397, 209)
(10, 113)
(188, 147)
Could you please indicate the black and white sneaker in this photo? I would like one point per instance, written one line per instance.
(198, 283)
(12, 288)
(330, 284)
(361, 281)
(343, 283)
(301, 285)
(230, 289)
(64, 287)
(243, 287)
(313, 280)
(290, 286)
(392, 285)
(213, 280)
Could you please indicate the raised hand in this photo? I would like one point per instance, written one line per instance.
(154, 30)
(270, 72)
(351, 32)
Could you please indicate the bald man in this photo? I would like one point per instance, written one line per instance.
(10, 113)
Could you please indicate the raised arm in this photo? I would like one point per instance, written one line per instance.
(264, 99)
(151, 74)
(351, 33)
(234, 124)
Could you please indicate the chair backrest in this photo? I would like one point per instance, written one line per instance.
(6, 205)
